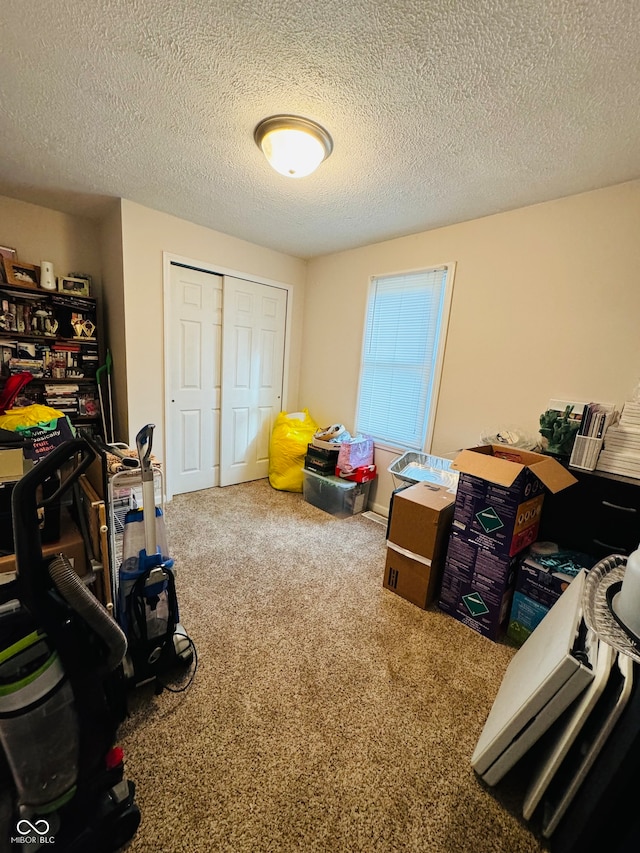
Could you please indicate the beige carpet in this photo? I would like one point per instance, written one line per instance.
(327, 714)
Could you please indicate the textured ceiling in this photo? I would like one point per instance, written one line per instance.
(440, 110)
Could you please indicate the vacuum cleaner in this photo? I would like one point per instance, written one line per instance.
(62, 694)
(147, 604)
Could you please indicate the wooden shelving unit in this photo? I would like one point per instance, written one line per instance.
(53, 336)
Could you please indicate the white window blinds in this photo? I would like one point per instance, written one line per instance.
(400, 356)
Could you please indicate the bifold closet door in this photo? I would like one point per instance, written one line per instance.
(253, 337)
(194, 366)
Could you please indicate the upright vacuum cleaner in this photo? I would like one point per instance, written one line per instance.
(61, 692)
(147, 600)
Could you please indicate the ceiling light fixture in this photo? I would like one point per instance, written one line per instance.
(294, 146)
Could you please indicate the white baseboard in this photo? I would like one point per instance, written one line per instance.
(374, 516)
(381, 509)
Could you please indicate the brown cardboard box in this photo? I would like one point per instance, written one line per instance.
(409, 578)
(499, 503)
(420, 518)
(500, 495)
(418, 534)
(70, 543)
(501, 464)
(13, 464)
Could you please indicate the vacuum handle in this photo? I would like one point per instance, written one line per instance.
(24, 510)
(144, 442)
(127, 461)
(23, 497)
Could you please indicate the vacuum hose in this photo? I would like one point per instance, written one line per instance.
(89, 608)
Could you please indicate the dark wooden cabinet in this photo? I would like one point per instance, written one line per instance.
(599, 515)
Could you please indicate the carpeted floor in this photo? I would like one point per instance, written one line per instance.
(327, 714)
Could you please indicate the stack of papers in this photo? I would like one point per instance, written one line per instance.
(621, 452)
(595, 420)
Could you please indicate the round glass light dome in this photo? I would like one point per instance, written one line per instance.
(294, 146)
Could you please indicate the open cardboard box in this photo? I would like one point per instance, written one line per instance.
(504, 465)
(500, 495)
(497, 514)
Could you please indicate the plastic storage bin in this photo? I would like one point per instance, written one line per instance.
(339, 497)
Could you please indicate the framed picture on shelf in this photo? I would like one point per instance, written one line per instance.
(8, 253)
(21, 273)
(73, 286)
(85, 276)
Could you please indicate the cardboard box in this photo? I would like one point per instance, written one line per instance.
(540, 581)
(418, 530)
(323, 454)
(496, 515)
(477, 585)
(326, 445)
(313, 464)
(70, 543)
(321, 460)
(13, 464)
(363, 474)
(411, 577)
(420, 519)
(500, 494)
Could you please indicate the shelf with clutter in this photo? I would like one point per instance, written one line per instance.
(49, 339)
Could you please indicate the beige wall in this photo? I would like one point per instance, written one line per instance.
(124, 254)
(114, 321)
(146, 235)
(546, 303)
(71, 243)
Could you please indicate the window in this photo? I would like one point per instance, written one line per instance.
(402, 353)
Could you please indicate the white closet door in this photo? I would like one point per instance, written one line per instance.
(253, 324)
(194, 360)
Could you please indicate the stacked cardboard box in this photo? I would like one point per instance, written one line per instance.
(497, 514)
(335, 487)
(351, 459)
(540, 581)
(419, 525)
(322, 460)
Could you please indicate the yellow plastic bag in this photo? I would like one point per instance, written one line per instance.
(29, 416)
(288, 446)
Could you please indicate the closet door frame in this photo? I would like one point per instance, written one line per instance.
(169, 258)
